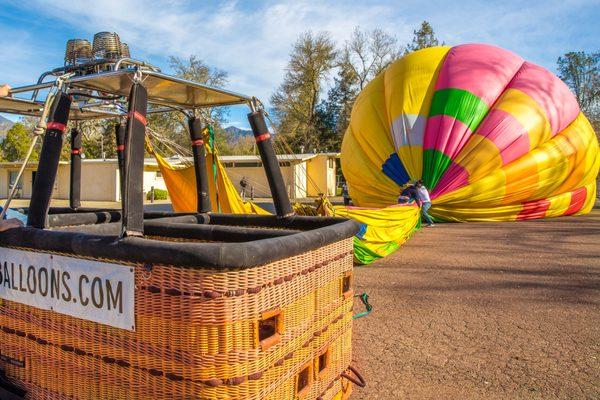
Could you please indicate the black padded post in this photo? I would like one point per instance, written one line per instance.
(283, 207)
(48, 164)
(120, 129)
(196, 127)
(75, 182)
(133, 191)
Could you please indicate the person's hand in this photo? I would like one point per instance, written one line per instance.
(4, 89)
(10, 224)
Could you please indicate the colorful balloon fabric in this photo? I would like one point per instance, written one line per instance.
(382, 231)
(494, 137)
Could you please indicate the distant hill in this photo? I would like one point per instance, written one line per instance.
(5, 124)
(237, 132)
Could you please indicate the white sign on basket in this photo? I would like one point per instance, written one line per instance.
(86, 289)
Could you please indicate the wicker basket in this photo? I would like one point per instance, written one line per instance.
(277, 331)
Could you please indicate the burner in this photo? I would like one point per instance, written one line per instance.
(107, 45)
(78, 51)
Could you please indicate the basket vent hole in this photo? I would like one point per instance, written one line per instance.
(267, 327)
(303, 380)
(347, 284)
(323, 361)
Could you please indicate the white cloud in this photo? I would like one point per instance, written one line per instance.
(252, 40)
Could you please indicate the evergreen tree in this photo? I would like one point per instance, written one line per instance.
(422, 38)
(334, 112)
(362, 58)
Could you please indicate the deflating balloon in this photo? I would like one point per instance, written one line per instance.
(494, 137)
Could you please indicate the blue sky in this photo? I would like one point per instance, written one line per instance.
(251, 40)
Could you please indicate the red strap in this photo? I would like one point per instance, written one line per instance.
(198, 142)
(76, 151)
(121, 147)
(56, 125)
(263, 137)
(139, 117)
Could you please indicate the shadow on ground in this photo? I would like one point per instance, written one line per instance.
(485, 310)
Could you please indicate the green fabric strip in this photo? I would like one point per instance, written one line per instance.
(366, 253)
(459, 104)
(434, 165)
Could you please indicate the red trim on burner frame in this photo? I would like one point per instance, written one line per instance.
(138, 116)
(263, 137)
(56, 125)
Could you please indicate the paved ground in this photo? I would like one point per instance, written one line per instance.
(494, 311)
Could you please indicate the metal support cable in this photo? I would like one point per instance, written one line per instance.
(38, 131)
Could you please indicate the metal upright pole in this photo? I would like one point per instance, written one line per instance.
(48, 164)
(283, 207)
(196, 127)
(133, 191)
(75, 183)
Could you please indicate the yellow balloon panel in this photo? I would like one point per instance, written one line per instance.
(409, 87)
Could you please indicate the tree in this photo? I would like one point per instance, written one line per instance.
(194, 69)
(295, 101)
(581, 72)
(334, 112)
(366, 54)
(173, 126)
(16, 143)
(422, 38)
(98, 138)
(362, 58)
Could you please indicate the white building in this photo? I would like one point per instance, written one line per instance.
(305, 175)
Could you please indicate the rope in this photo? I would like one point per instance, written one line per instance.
(171, 145)
(286, 147)
(364, 297)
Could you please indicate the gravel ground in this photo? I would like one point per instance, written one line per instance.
(485, 310)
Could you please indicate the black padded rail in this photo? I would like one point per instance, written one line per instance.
(69, 210)
(271, 221)
(48, 164)
(59, 216)
(187, 230)
(120, 129)
(217, 233)
(75, 181)
(281, 200)
(133, 191)
(200, 255)
(203, 196)
(83, 218)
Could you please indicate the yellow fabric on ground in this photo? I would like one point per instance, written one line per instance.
(181, 184)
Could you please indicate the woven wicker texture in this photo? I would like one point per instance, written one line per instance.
(278, 331)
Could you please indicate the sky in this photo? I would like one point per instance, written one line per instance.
(251, 40)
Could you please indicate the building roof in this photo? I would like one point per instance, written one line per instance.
(152, 161)
(31, 164)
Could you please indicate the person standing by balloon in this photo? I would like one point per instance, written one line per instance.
(408, 195)
(425, 200)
